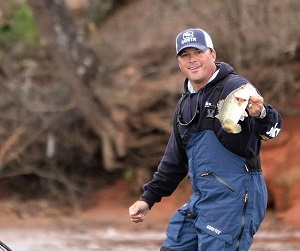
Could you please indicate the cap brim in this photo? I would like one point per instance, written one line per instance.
(197, 46)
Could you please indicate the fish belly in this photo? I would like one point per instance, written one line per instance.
(231, 115)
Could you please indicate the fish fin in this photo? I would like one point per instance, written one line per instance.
(219, 108)
(244, 114)
(220, 105)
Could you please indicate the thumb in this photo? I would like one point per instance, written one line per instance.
(133, 209)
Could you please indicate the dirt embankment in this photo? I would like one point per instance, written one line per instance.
(281, 166)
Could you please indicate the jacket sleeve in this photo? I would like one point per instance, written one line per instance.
(266, 128)
(270, 126)
(170, 172)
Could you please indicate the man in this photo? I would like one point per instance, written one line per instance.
(229, 196)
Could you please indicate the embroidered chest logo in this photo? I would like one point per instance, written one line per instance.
(210, 109)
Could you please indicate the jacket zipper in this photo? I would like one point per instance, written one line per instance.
(218, 178)
(243, 220)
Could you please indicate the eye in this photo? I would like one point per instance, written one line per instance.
(198, 52)
(184, 55)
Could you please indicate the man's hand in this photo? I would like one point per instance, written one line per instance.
(138, 211)
(255, 105)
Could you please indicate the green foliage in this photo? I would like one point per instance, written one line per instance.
(20, 28)
(129, 174)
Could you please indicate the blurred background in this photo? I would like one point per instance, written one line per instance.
(88, 90)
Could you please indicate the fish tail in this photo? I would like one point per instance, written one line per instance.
(237, 128)
(230, 127)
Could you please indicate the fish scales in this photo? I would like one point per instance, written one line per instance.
(233, 108)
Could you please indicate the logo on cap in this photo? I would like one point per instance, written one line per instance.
(188, 37)
(196, 38)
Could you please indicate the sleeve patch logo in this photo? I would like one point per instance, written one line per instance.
(274, 131)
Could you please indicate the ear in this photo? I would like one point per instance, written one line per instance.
(214, 54)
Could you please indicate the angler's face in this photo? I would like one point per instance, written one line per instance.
(198, 66)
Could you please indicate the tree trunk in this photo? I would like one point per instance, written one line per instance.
(77, 66)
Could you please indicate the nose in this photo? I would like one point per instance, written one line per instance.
(193, 56)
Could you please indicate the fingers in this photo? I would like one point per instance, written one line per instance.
(137, 218)
(138, 211)
(256, 100)
(135, 214)
(255, 105)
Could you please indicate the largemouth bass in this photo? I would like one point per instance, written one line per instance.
(233, 108)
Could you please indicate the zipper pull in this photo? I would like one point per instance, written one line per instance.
(246, 197)
(206, 174)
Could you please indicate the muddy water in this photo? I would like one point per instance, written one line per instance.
(111, 239)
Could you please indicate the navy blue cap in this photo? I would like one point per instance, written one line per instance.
(195, 38)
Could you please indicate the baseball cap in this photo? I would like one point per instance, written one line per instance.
(196, 38)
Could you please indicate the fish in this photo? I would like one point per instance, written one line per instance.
(232, 109)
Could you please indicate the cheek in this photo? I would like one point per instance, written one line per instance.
(181, 65)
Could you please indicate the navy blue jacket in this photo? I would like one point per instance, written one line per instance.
(174, 165)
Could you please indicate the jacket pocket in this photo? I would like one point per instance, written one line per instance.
(219, 179)
(176, 223)
(224, 221)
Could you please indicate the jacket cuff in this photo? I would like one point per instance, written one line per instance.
(149, 203)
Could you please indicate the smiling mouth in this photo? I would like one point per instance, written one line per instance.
(194, 68)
